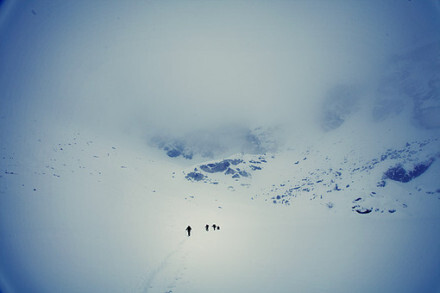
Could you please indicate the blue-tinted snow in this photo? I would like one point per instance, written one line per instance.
(106, 107)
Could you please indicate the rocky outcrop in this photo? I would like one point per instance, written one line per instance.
(399, 173)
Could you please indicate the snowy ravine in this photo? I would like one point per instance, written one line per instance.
(84, 213)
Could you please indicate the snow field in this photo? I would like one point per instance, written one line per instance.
(114, 220)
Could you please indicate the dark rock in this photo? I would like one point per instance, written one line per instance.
(381, 183)
(234, 161)
(187, 156)
(230, 171)
(398, 173)
(173, 153)
(363, 211)
(215, 167)
(243, 173)
(173, 147)
(195, 176)
(253, 167)
(236, 176)
(421, 168)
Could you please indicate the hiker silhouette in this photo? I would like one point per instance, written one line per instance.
(214, 226)
(207, 227)
(188, 229)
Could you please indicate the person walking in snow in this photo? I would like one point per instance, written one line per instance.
(214, 226)
(188, 229)
(207, 227)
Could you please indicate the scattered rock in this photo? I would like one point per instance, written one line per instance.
(362, 210)
(243, 173)
(195, 176)
(173, 153)
(381, 183)
(230, 171)
(216, 167)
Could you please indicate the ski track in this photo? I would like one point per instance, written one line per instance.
(164, 271)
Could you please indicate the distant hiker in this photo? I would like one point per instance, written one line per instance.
(188, 229)
(218, 227)
(207, 227)
(214, 226)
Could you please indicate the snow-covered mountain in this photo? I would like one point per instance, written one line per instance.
(307, 131)
(91, 213)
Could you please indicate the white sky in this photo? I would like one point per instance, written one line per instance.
(180, 65)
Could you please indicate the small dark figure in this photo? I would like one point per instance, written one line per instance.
(207, 227)
(218, 227)
(188, 229)
(214, 226)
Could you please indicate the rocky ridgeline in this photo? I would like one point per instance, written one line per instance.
(350, 175)
(400, 165)
(235, 168)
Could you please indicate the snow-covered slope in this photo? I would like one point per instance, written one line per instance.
(82, 212)
(308, 131)
(360, 168)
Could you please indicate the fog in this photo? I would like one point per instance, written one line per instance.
(210, 80)
(180, 66)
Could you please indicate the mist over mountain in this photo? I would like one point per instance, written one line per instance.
(175, 68)
(208, 144)
(309, 131)
(412, 81)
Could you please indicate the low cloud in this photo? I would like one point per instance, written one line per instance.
(182, 67)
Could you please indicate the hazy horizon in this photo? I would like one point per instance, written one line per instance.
(176, 67)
